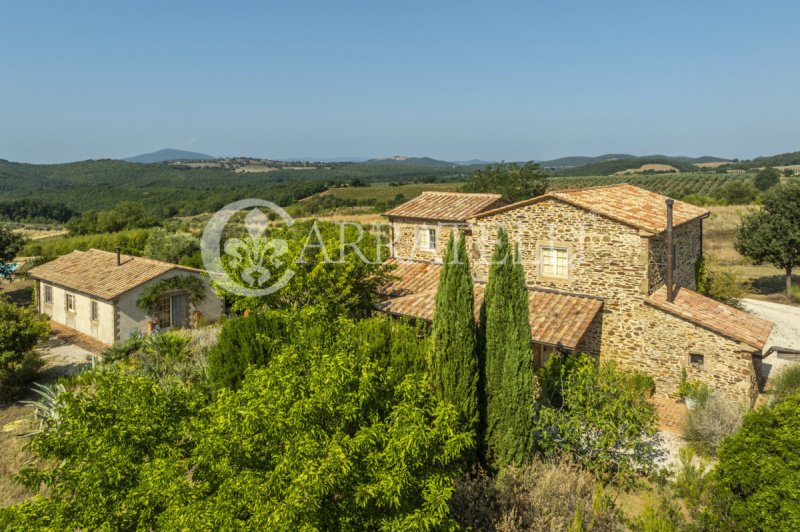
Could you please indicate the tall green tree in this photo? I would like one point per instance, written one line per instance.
(767, 178)
(510, 375)
(509, 179)
(773, 234)
(454, 362)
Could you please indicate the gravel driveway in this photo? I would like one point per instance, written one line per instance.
(786, 332)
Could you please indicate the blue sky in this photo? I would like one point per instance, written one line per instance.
(448, 79)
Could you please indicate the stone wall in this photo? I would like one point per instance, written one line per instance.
(687, 239)
(406, 246)
(667, 341)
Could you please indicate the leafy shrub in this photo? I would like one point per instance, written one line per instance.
(587, 411)
(701, 275)
(726, 287)
(543, 495)
(757, 478)
(785, 383)
(640, 382)
(124, 348)
(691, 479)
(21, 329)
(242, 342)
(795, 294)
(739, 192)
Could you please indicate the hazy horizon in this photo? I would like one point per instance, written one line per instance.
(452, 81)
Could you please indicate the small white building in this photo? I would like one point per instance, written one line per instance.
(96, 293)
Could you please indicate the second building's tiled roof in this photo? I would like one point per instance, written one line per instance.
(555, 318)
(96, 273)
(623, 203)
(715, 316)
(446, 206)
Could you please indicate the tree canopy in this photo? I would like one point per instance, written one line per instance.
(10, 245)
(329, 433)
(513, 181)
(773, 234)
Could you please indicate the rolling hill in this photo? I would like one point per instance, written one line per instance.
(168, 154)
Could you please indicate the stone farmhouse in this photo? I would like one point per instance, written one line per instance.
(95, 293)
(610, 272)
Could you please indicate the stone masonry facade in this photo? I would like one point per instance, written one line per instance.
(621, 264)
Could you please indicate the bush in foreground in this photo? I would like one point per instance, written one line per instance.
(757, 478)
(21, 328)
(543, 495)
(327, 434)
(711, 422)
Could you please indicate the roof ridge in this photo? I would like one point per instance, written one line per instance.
(596, 187)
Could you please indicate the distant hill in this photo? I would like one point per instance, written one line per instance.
(161, 156)
(569, 162)
(412, 161)
(781, 159)
(610, 167)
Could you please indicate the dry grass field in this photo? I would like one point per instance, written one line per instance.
(719, 232)
(712, 165)
(649, 167)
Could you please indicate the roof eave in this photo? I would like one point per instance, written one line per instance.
(668, 310)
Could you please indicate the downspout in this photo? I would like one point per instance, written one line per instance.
(670, 258)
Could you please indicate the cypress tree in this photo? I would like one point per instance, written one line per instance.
(510, 376)
(454, 363)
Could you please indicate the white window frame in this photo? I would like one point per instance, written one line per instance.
(551, 254)
(47, 293)
(94, 311)
(426, 238)
(69, 302)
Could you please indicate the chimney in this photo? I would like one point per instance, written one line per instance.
(670, 258)
(119, 258)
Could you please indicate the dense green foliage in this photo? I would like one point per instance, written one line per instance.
(589, 411)
(738, 192)
(510, 376)
(243, 342)
(677, 186)
(513, 181)
(757, 478)
(125, 215)
(131, 242)
(328, 434)
(619, 165)
(168, 189)
(325, 270)
(20, 330)
(454, 361)
(766, 179)
(34, 210)
(170, 246)
(773, 234)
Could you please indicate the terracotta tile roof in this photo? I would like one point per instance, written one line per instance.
(555, 318)
(446, 206)
(715, 316)
(624, 203)
(96, 273)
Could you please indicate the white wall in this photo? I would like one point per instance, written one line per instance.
(80, 320)
(132, 318)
